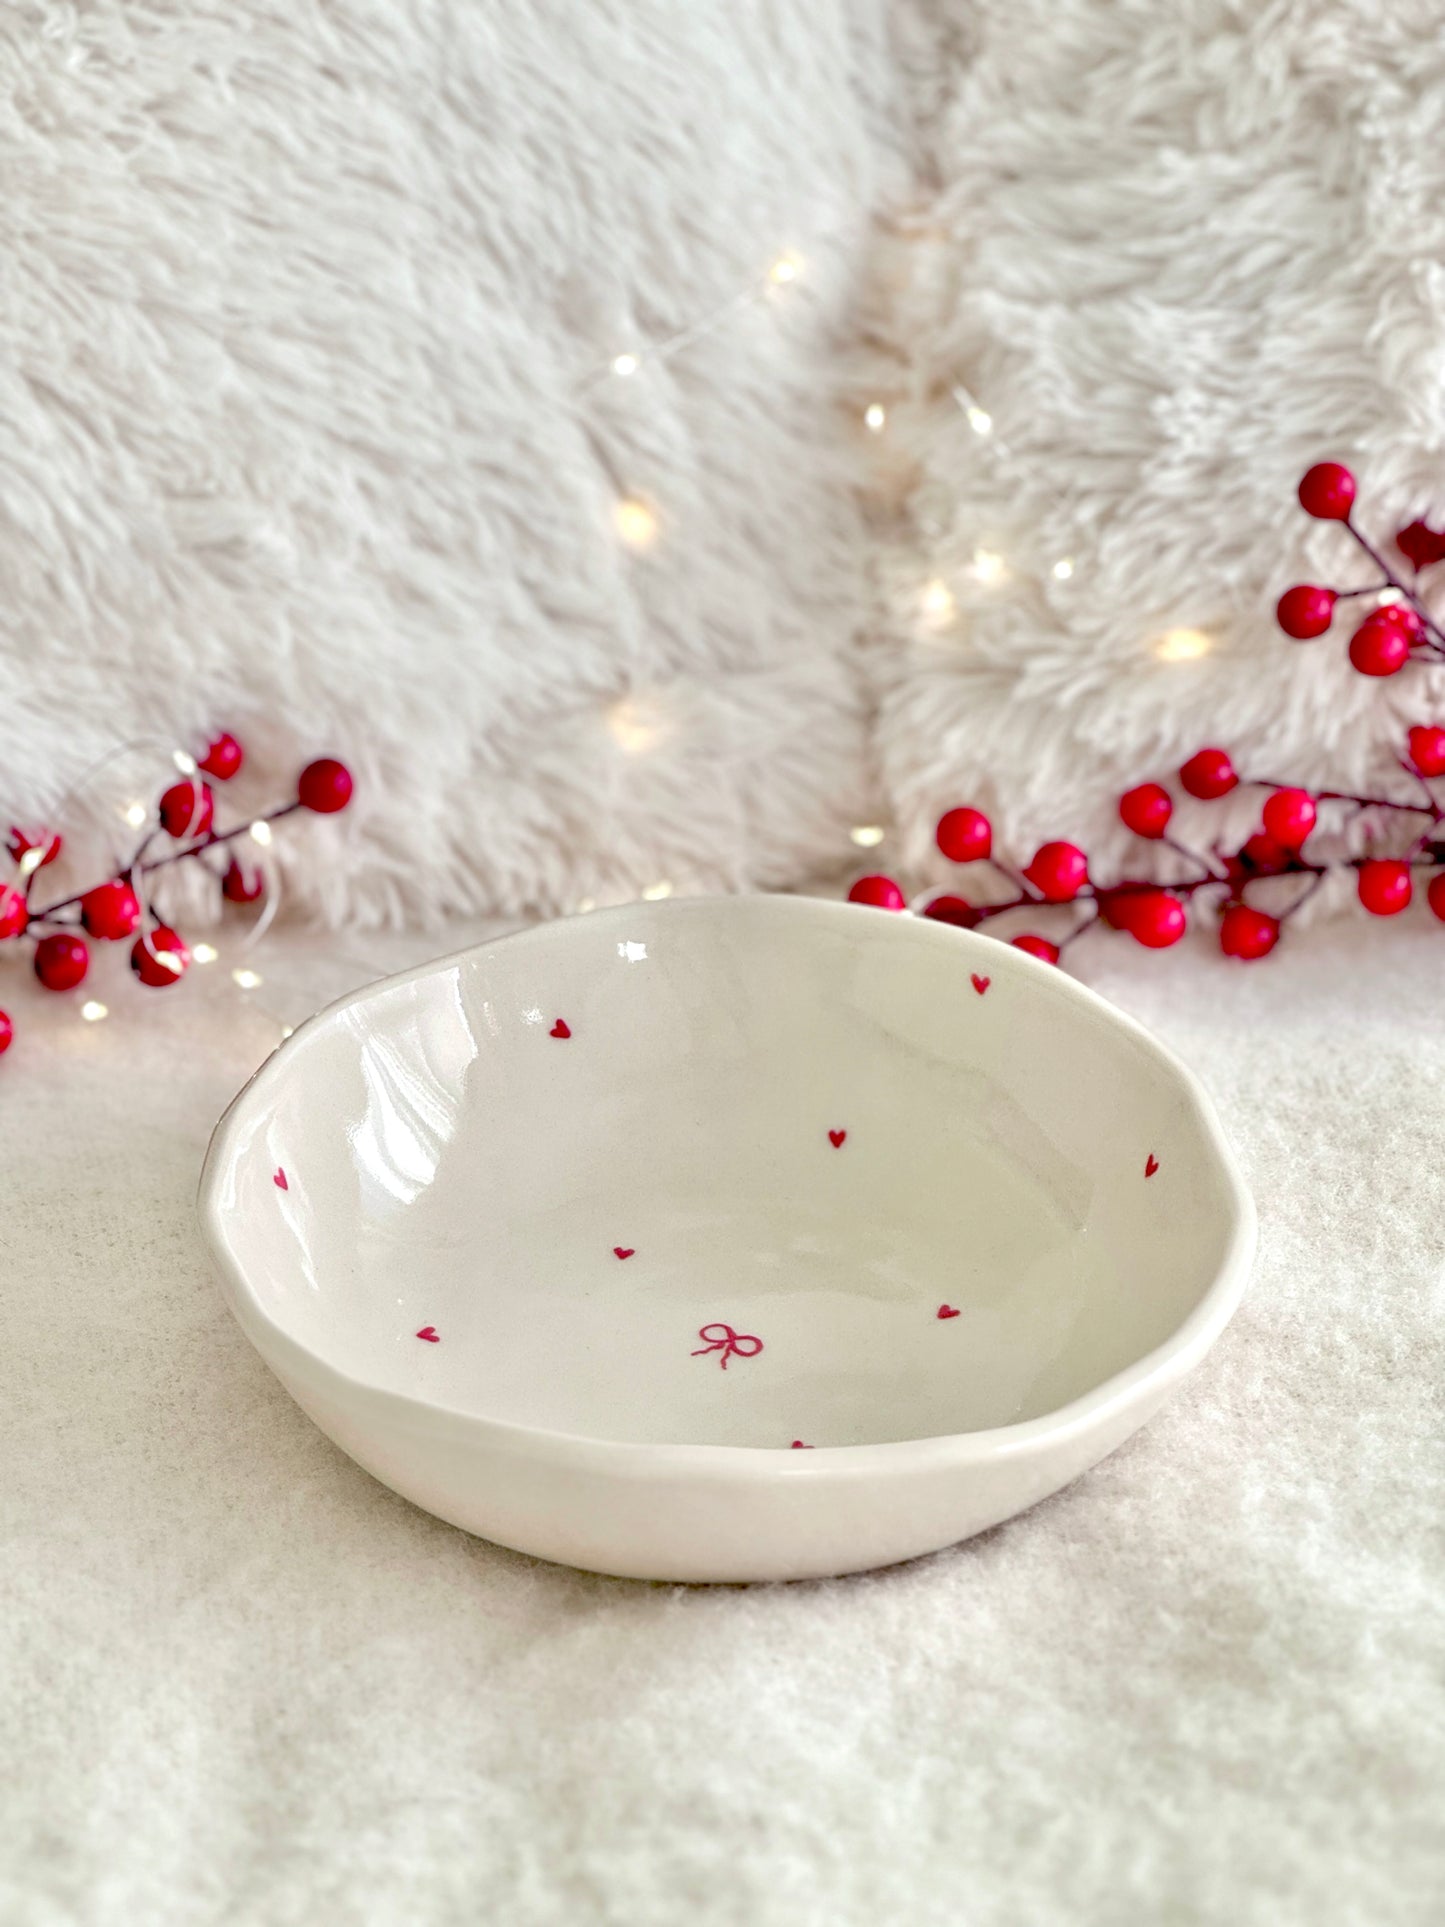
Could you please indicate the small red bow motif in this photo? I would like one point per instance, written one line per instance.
(722, 1338)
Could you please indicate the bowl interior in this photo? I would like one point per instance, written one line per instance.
(734, 1172)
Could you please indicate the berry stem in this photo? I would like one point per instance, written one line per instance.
(1395, 582)
(135, 868)
(1346, 796)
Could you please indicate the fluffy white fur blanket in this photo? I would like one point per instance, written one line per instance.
(308, 313)
(303, 306)
(1175, 254)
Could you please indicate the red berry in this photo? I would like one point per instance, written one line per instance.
(325, 786)
(882, 892)
(47, 840)
(1039, 947)
(1420, 544)
(964, 835)
(1403, 616)
(1427, 749)
(1435, 895)
(1327, 491)
(1058, 872)
(1263, 856)
(110, 910)
(1304, 611)
(7, 1031)
(1381, 645)
(955, 910)
(61, 962)
(188, 808)
(1116, 906)
(160, 957)
(224, 757)
(239, 885)
(1385, 886)
(1289, 816)
(1209, 773)
(1146, 810)
(1247, 933)
(14, 913)
(1155, 919)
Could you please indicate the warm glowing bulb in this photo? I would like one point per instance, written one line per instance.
(979, 420)
(989, 566)
(1182, 645)
(867, 835)
(635, 725)
(286, 1030)
(92, 1012)
(31, 861)
(655, 892)
(586, 904)
(184, 763)
(875, 415)
(784, 269)
(937, 604)
(261, 833)
(246, 979)
(204, 952)
(625, 365)
(135, 814)
(1063, 568)
(635, 522)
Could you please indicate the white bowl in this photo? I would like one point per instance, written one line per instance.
(752, 1238)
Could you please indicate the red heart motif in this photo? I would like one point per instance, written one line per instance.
(835, 1138)
(947, 1311)
(1152, 1166)
(559, 1029)
(980, 984)
(429, 1333)
(623, 1251)
(280, 1180)
(798, 1446)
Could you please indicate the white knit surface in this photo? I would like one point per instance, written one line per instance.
(242, 1682)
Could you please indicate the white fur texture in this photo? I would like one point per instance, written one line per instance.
(301, 304)
(1177, 254)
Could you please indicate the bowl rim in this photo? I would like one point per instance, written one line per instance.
(1159, 1367)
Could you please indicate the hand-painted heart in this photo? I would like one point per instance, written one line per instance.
(559, 1029)
(1152, 1166)
(623, 1251)
(947, 1311)
(835, 1138)
(279, 1180)
(429, 1333)
(980, 984)
(798, 1446)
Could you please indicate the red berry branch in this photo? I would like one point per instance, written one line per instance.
(1394, 633)
(118, 909)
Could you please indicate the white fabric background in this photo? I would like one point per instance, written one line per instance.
(299, 304)
(1178, 254)
(241, 1681)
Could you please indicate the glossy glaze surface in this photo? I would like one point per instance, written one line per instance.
(723, 1174)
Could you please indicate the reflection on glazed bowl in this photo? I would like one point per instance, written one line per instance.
(725, 1239)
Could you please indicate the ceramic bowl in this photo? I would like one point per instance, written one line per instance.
(740, 1239)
